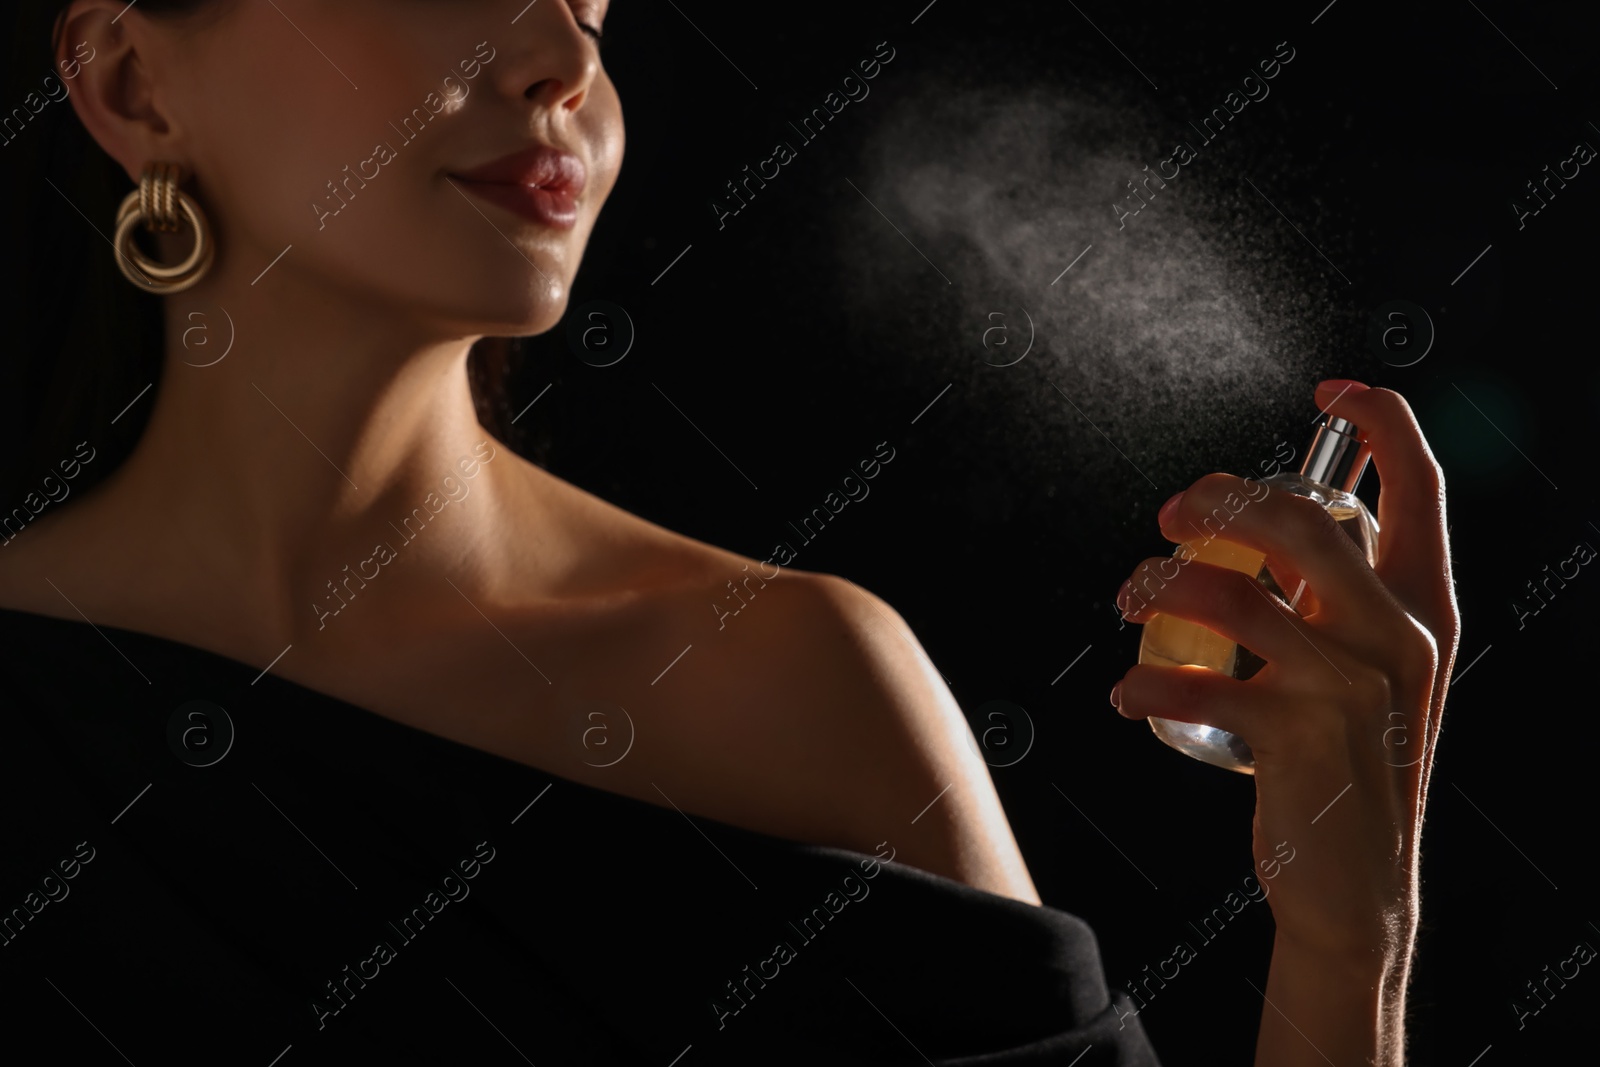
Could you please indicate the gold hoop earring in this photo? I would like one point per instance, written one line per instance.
(162, 207)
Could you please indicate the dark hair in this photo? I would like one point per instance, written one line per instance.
(86, 341)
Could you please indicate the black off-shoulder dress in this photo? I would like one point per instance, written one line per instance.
(205, 863)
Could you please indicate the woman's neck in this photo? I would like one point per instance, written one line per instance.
(269, 475)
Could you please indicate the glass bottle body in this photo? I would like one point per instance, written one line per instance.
(1171, 641)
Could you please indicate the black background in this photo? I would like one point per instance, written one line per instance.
(807, 330)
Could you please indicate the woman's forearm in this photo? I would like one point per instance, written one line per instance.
(1332, 1010)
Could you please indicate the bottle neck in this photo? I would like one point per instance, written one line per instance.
(1337, 457)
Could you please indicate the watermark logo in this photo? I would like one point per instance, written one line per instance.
(1002, 733)
(1395, 740)
(600, 333)
(1000, 348)
(1541, 190)
(200, 733)
(741, 190)
(455, 490)
(450, 888)
(197, 337)
(738, 991)
(342, 191)
(1400, 333)
(1142, 990)
(50, 888)
(1552, 980)
(1543, 590)
(52, 90)
(606, 733)
(52, 490)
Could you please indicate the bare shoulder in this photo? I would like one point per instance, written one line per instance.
(812, 646)
(846, 652)
(813, 659)
(834, 725)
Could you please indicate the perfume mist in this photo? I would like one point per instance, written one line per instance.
(1333, 465)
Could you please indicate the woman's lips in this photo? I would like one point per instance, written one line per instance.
(541, 184)
(553, 207)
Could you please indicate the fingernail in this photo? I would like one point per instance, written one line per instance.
(1124, 596)
(1341, 386)
(1167, 509)
(1116, 696)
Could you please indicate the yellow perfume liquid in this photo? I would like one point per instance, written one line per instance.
(1173, 642)
(1333, 466)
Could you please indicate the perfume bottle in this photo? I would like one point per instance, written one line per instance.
(1332, 467)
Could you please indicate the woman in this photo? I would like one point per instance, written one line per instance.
(314, 538)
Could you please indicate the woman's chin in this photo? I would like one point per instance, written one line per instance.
(515, 318)
(545, 320)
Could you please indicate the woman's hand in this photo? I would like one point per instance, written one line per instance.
(1344, 717)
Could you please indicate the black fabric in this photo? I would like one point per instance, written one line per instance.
(179, 913)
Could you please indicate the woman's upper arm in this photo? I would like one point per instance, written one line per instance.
(918, 768)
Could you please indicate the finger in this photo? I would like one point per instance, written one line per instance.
(1413, 557)
(1413, 527)
(1295, 589)
(1292, 531)
(1196, 695)
(1223, 600)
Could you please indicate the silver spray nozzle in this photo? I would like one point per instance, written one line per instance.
(1337, 456)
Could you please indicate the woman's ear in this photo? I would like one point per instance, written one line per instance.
(108, 55)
